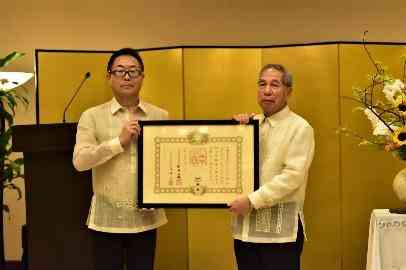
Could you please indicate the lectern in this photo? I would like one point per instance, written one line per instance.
(57, 198)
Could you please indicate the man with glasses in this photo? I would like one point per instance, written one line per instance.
(106, 139)
(268, 224)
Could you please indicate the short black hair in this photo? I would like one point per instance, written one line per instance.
(125, 51)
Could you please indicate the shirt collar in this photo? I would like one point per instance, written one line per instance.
(115, 106)
(275, 118)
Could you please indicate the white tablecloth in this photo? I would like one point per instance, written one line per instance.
(387, 241)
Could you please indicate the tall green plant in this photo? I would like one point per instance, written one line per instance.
(10, 168)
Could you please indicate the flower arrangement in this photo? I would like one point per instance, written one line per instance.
(383, 102)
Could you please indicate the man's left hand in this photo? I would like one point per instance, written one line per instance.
(240, 206)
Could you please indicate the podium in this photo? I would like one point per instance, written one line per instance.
(57, 198)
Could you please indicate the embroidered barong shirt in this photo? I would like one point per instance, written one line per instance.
(286, 152)
(114, 169)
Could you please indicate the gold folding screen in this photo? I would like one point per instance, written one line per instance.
(215, 83)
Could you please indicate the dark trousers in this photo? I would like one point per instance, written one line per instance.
(114, 250)
(269, 256)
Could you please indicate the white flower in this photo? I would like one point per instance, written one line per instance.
(391, 90)
(378, 126)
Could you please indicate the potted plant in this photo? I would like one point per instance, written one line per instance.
(10, 168)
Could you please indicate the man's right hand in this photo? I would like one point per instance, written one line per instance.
(129, 133)
(243, 118)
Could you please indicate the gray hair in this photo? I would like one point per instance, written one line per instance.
(287, 78)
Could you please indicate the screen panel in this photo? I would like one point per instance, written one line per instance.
(218, 84)
(59, 75)
(367, 173)
(215, 83)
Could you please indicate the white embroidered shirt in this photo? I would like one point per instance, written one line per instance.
(114, 169)
(286, 153)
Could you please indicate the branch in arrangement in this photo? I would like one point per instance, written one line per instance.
(352, 98)
(371, 108)
(393, 122)
(383, 111)
(378, 68)
(380, 118)
(358, 136)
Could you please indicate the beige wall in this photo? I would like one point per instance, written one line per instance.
(106, 25)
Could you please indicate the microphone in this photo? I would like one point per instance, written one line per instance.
(87, 76)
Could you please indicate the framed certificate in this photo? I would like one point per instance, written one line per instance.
(196, 163)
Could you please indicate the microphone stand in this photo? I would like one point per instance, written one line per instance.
(87, 76)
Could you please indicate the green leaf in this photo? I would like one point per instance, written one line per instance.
(6, 208)
(19, 161)
(11, 98)
(10, 58)
(358, 109)
(7, 174)
(16, 167)
(365, 143)
(5, 139)
(7, 116)
(23, 99)
(370, 144)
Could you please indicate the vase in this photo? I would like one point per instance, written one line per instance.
(399, 185)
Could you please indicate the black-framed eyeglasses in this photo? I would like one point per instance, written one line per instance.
(132, 73)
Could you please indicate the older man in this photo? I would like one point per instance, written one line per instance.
(268, 224)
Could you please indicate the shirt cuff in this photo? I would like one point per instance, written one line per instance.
(115, 146)
(256, 200)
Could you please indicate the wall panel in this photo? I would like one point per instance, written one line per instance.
(367, 173)
(59, 75)
(163, 83)
(315, 97)
(163, 86)
(218, 84)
